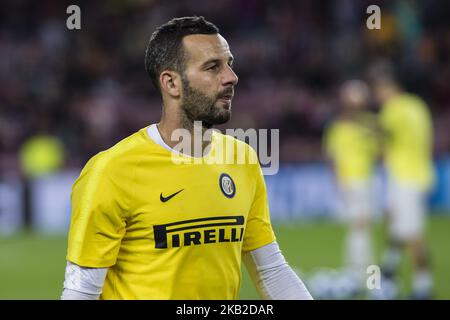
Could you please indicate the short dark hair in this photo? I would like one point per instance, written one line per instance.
(165, 47)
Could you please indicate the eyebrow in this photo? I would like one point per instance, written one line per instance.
(230, 60)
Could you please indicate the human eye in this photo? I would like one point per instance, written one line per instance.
(213, 67)
(231, 62)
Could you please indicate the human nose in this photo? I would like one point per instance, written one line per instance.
(230, 77)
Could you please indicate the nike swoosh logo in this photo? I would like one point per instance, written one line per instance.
(165, 199)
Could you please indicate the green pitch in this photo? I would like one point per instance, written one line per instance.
(32, 266)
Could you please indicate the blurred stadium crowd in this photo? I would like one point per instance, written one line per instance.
(89, 88)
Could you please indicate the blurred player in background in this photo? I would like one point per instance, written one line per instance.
(407, 127)
(351, 144)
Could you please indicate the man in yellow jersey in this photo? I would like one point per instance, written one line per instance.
(407, 127)
(149, 223)
(351, 144)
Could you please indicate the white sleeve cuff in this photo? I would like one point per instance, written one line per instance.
(84, 280)
(273, 277)
(69, 294)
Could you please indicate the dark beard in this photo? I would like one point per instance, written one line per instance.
(199, 107)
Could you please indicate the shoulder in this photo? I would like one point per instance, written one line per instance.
(408, 106)
(241, 149)
(404, 101)
(331, 127)
(413, 98)
(337, 130)
(123, 154)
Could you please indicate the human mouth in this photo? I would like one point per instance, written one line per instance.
(226, 95)
(226, 101)
(226, 98)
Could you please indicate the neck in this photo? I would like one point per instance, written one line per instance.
(391, 92)
(350, 113)
(182, 134)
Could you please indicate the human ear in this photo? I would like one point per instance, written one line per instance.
(170, 83)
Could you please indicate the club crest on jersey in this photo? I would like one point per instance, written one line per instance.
(227, 185)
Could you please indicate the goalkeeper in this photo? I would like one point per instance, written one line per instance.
(145, 226)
